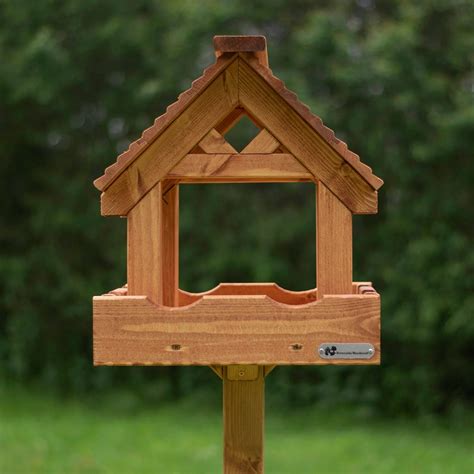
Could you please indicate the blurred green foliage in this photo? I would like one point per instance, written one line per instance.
(80, 80)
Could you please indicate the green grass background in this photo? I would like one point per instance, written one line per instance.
(120, 434)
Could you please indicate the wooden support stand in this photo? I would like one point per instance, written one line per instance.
(243, 413)
(151, 321)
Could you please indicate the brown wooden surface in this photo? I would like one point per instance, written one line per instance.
(230, 121)
(334, 244)
(219, 330)
(183, 134)
(244, 406)
(313, 120)
(311, 149)
(199, 86)
(238, 43)
(246, 84)
(224, 167)
(214, 142)
(264, 142)
(170, 243)
(144, 247)
(272, 290)
(160, 124)
(251, 44)
(242, 372)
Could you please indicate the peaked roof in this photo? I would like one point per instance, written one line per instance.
(228, 49)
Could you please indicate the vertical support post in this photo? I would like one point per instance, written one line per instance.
(170, 243)
(144, 246)
(333, 244)
(244, 405)
(152, 234)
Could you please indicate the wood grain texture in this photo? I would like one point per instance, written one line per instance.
(333, 244)
(244, 407)
(272, 290)
(257, 45)
(242, 372)
(170, 243)
(310, 148)
(239, 43)
(230, 121)
(160, 124)
(144, 246)
(314, 121)
(215, 102)
(220, 330)
(223, 167)
(264, 142)
(214, 142)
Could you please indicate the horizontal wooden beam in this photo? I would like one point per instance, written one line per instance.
(222, 330)
(221, 167)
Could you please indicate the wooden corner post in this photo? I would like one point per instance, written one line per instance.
(333, 244)
(152, 240)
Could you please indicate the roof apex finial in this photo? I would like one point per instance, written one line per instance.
(242, 43)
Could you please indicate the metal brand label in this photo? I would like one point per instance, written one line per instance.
(344, 350)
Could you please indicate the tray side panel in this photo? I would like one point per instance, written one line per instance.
(130, 330)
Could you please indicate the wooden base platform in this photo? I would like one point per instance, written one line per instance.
(234, 324)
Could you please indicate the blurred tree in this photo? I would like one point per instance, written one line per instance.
(79, 80)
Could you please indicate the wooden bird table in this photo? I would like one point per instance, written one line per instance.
(242, 331)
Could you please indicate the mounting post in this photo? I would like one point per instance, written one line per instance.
(243, 413)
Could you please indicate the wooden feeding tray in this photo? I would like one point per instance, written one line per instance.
(234, 324)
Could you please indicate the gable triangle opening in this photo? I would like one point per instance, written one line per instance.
(242, 132)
